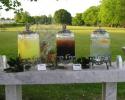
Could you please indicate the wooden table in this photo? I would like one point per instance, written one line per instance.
(108, 78)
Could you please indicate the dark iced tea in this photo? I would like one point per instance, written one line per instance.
(65, 47)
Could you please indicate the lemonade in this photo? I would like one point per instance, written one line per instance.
(28, 46)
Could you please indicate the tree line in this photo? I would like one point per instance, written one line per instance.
(108, 13)
(24, 17)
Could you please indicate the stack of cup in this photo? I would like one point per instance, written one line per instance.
(3, 62)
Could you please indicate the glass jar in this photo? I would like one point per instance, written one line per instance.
(100, 43)
(65, 43)
(28, 45)
(100, 47)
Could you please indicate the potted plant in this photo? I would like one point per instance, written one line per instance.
(51, 56)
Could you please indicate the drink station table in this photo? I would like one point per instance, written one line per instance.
(31, 52)
(108, 78)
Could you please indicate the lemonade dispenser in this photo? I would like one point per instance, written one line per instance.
(28, 45)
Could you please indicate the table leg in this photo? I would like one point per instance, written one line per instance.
(13, 92)
(109, 91)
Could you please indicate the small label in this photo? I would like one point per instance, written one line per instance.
(77, 67)
(41, 67)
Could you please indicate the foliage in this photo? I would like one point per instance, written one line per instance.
(11, 25)
(49, 19)
(23, 17)
(43, 19)
(26, 17)
(18, 17)
(112, 12)
(108, 11)
(90, 16)
(2, 18)
(62, 16)
(77, 20)
(15, 65)
(10, 4)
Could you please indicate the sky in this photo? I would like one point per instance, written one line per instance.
(48, 7)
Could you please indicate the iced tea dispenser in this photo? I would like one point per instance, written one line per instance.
(65, 43)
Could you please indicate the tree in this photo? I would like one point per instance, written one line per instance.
(77, 20)
(18, 17)
(49, 19)
(23, 17)
(107, 15)
(122, 13)
(2, 18)
(112, 12)
(43, 19)
(62, 16)
(10, 4)
(90, 16)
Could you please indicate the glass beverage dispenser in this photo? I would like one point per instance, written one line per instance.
(28, 45)
(65, 44)
(100, 48)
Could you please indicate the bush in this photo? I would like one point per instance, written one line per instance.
(11, 25)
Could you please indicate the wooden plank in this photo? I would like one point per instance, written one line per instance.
(109, 91)
(62, 77)
(13, 92)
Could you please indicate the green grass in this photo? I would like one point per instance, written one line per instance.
(8, 39)
(8, 46)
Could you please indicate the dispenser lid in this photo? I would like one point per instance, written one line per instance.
(64, 30)
(99, 31)
(27, 30)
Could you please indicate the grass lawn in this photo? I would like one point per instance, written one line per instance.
(8, 46)
(8, 39)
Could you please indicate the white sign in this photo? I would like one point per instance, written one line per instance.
(41, 67)
(77, 67)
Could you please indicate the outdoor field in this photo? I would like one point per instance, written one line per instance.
(8, 47)
(8, 38)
